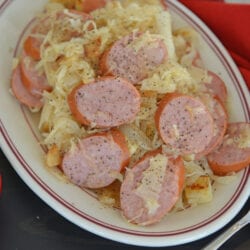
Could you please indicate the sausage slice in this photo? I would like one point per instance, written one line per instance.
(220, 119)
(90, 5)
(184, 123)
(234, 153)
(107, 102)
(96, 160)
(151, 188)
(21, 93)
(33, 80)
(133, 57)
(216, 86)
(32, 47)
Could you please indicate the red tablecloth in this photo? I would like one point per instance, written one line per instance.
(230, 22)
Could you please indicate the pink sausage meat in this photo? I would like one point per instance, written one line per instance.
(220, 119)
(134, 207)
(216, 87)
(234, 152)
(107, 102)
(184, 123)
(21, 93)
(33, 80)
(123, 60)
(96, 161)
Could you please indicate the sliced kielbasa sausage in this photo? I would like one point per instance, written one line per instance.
(32, 47)
(107, 102)
(96, 160)
(90, 5)
(151, 188)
(220, 118)
(61, 21)
(33, 80)
(216, 86)
(184, 123)
(21, 93)
(133, 57)
(234, 153)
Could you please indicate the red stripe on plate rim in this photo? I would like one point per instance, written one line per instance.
(4, 5)
(80, 213)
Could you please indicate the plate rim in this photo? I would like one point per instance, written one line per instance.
(135, 239)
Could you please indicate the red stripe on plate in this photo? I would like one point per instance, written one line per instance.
(3, 5)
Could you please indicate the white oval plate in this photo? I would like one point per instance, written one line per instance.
(19, 141)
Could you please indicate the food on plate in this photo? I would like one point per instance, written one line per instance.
(22, 93)
(220, 118)
(200, 191)
(105, 103)
(53, 157)
(184, 123)
(82, 5)
(127, 108)
(97, 160)
(89, 5)
(234, 152)
(34, 81)
(151, 188)
(216, 87)
(134, 56)
(186, 43)
(31, 47)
